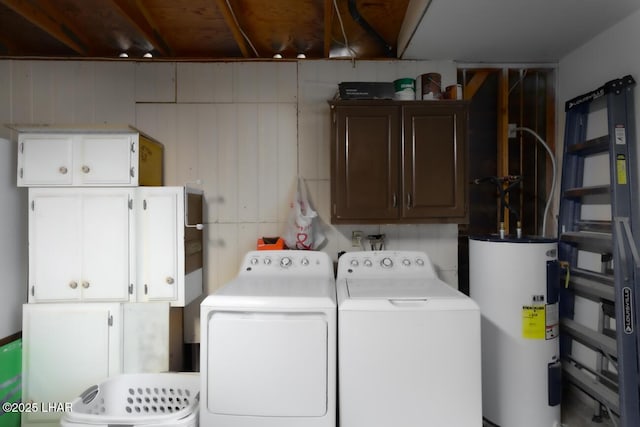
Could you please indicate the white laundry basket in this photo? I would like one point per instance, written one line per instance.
(149, 400)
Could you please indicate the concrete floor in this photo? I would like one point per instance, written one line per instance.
(576, 412)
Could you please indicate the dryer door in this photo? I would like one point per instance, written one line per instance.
(267, 364)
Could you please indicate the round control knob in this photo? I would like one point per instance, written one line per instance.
(354, 263)
(386, 262)
(63, 170)
(267, 261)
(285, 262)
(304, 261)
(420, 262)
(367, 263)
(406, 262)
(169, 280)
(254, 261)
(86, 169)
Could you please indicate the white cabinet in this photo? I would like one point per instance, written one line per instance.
(69, 347)
(169, 245)
(66, 349)
(80, 244)
(87, 157)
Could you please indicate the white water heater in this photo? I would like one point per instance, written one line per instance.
(515, 283)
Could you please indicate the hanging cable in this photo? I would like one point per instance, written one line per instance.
(553, 179)
(233, 15)
(344, 33)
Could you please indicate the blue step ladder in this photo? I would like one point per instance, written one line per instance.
(615, 382)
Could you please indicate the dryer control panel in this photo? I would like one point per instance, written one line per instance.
(287, 262)
(404, 264)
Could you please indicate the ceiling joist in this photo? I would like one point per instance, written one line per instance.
(138, 16)
(328, 26)
(228, 15)
(59, 30)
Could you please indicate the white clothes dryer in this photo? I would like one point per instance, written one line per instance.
(408, 344)
(268, 344)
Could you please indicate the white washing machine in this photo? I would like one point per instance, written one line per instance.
(268, 344)
(408, 344)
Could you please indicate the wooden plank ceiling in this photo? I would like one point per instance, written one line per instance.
(200, 29)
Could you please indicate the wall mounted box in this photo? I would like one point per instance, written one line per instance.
(89, 156)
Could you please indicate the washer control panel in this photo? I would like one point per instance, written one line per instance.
(286, 262)
(403, 263)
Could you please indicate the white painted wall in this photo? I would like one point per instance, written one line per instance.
(13, 243)
(242, 131)
(608, 56)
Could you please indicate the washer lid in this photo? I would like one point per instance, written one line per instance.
(406, 289)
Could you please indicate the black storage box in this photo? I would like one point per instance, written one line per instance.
(366, 90)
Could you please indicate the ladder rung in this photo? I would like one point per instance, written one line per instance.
(590, 241)
(597, 194)
(592, 146)
(594, 286)
(591, 386)
(595, 226)
(589, 337)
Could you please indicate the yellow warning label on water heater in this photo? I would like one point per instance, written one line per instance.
(621, 166)
(533, 322)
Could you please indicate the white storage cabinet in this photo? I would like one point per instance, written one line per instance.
(170, 244)
(66, 348)
(77, 159)
(92, 156)
(80, 244)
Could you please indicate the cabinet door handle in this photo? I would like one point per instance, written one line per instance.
(395, 200)
(408, 200)
(85, 284)
(86, 169)
(63, 170)
(170, 280)
(73, 284)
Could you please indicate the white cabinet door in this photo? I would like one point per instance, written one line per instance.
(161, 243)
(66, 349)
(106, 245)
(54, 246)
(105, 159)
(80, 245)
(45, 160)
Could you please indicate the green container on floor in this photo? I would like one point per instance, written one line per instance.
(10, 381)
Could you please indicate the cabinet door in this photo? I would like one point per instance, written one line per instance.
(79, 244)
(66, 349)
(106, 244)
(54, 245)
(45, 160)
(365, 163)
(434, 161)
(105, 160)
(161, 243)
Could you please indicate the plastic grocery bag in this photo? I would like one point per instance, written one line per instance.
(302, 230)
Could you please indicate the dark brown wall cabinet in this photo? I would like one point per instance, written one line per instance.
(399, 162)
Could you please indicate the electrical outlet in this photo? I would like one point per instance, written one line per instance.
(356, 238)
(512, 130)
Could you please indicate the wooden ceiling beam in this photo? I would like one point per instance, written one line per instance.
(328, 26)
(56, 28)
(234, 27)
(472, 86)
(139, 17)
